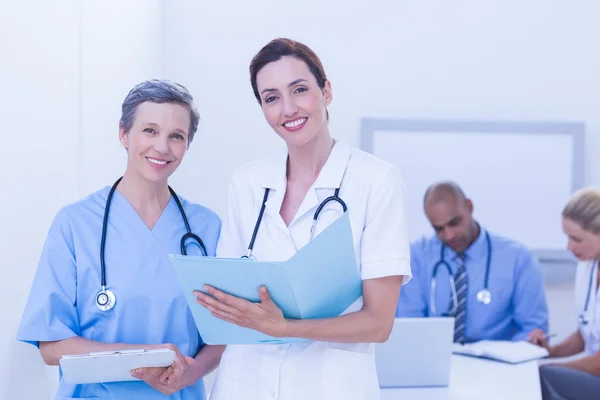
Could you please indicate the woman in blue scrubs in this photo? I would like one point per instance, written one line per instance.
(145, 224)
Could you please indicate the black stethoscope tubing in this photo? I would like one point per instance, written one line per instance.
(481, 295)
(583, 319)
(335, 198)
(105, 299)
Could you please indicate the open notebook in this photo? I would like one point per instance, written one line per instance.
(505, 351)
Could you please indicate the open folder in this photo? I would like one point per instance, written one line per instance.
(501, 350)
(320, 281)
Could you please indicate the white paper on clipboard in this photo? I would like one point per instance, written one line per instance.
(112, 366)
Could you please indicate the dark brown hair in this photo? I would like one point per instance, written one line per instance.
(282, 47)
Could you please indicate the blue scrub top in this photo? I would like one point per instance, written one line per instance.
(150, 306)
(515, 281)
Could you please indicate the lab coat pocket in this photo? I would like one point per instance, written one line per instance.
(349, 375)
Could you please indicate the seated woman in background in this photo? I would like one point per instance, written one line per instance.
(578, 379)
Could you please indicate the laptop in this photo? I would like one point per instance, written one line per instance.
(417, 354)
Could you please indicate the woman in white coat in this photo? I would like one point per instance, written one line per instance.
(578, 379)
(337, 361)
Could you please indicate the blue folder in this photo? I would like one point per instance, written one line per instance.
(320, 281)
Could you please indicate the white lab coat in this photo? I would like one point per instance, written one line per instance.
(591, 331)
(374, 193)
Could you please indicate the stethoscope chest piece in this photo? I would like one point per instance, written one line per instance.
(484, 296)
(583, 318)
(105, 300)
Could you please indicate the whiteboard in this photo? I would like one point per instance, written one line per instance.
(518, 175)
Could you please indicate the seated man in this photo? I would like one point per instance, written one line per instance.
(463, 256)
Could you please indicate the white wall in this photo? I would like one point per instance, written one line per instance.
(39, 105)
(121, 46)
(461, 59)
(66, 67)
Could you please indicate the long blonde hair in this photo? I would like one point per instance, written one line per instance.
(583, 208)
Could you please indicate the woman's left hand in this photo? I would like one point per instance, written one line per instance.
(265, 317)
(170, 380)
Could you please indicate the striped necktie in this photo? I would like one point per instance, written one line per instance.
(460, 279)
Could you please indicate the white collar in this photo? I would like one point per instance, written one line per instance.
(330, 176)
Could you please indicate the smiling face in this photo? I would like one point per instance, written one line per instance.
(157, 140)
(292, 101)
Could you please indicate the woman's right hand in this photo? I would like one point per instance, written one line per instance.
(538, 337)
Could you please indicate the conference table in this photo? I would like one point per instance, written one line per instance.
(478, 379)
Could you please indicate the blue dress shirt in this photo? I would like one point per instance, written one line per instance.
(518, 299)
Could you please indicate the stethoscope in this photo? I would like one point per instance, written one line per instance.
(106, 299)
(483, 296)
(335, 198)
(583, 318)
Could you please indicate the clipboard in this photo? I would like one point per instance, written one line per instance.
(321, 280)
(111, 366)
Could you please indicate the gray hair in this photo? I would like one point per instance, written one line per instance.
(159, 91)
(583, 208)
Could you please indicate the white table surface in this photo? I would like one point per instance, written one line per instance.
(478, 379)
